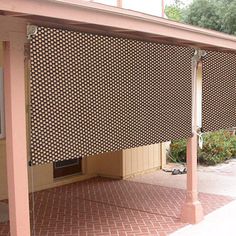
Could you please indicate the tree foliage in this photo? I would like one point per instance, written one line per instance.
(203, 13)
(229, 20)
(218, 15)
(174, 11)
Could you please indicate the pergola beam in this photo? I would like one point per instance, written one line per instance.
(99, 14)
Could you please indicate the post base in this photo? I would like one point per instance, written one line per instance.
(192, 212)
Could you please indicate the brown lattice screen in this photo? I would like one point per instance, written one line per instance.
(218, 91)
(92, 94)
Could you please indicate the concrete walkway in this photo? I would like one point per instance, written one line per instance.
(220, 222)
(221, 180)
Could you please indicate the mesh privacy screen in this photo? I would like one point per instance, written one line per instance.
(92, 94)
(218, 91)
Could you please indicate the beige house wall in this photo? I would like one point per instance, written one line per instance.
(140, 160)
(110, 164)
(120, 164)
(1, 54)
(3, 174)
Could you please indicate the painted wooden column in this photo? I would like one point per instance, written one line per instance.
(163, 8)
(15, 114)
(119, 3)
(192, 211)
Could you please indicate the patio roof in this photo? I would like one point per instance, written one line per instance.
(99, 18)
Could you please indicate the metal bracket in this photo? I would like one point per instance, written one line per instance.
(30, 163)
(31, 30)
(198, 55)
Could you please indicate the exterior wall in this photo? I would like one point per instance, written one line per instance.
(41, 177)
(142, 159)
(110, 164)
(121, 164)
(165, 147)
(3, 174)
(1, 54)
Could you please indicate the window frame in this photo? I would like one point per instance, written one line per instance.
(68, 169)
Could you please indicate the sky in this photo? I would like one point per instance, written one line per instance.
(152, 7)
(171, 1)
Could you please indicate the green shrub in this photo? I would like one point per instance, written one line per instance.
(178, 151)
(233, 146)
(217, 147)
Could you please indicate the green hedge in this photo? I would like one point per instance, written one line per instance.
(217, 147)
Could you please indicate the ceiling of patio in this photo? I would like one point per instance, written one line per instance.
(98, 18)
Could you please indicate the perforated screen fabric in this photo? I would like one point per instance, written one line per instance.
(218, 91)
(92, 94)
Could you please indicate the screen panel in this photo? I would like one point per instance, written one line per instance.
(218, 91)
(93, 93)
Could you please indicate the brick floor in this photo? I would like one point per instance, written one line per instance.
(102, 206)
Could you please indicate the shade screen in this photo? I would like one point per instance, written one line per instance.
(92, 94)
(218, 91)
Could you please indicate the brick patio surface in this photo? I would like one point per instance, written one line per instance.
(102, 206)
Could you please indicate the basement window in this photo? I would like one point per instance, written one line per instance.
(67, 167)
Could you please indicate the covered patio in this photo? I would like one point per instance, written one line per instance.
(100, 206)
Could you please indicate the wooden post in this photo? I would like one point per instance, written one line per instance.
(163, 8)
(15, 114)
(192, 211)
(119, 3)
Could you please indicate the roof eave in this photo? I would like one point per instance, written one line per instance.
(83, 12)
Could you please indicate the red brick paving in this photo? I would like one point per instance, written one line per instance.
(102, 206)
